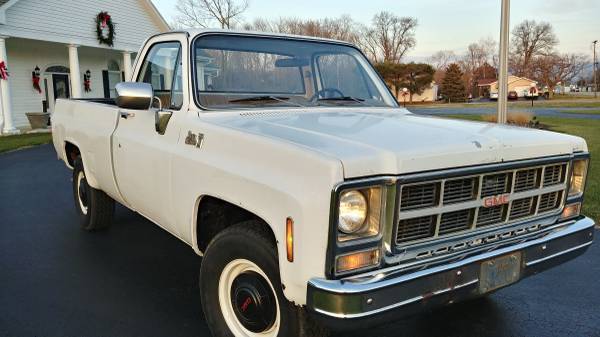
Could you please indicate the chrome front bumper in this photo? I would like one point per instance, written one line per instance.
(391, 292)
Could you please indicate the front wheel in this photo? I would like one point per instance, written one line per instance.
(241, 290)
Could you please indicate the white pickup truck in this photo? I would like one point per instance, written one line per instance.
(316, 201)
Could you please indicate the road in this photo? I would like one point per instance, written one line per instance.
(486, 110)
(137, 280)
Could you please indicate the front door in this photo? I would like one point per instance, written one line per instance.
(60, 83)
(142, 155)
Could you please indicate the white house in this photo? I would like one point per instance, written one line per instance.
(61, 41)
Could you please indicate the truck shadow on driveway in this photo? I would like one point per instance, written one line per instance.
(137, 280)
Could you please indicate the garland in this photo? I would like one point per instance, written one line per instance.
(104, 21)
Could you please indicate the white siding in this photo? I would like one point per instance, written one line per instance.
(73, 21)
(24, 55)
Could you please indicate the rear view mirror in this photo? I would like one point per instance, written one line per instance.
(291, 62)
(134, 95)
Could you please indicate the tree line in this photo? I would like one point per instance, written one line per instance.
(388, 37)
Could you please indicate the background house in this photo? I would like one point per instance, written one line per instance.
(60, 39)
(519, 84)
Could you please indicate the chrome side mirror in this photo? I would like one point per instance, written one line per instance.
(134, 95)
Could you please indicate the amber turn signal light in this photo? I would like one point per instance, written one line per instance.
(289, 238)
(571, 211)
(357, 260)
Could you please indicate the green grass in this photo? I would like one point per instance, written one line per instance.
(590, 131)
(9, 143)
(580, 103)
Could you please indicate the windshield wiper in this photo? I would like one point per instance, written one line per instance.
(344, 98)
(266, 98)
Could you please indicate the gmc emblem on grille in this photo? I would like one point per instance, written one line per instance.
(496, 200)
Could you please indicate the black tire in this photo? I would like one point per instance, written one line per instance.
(95, 208)
(252, 241)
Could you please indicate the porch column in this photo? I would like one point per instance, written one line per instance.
(9, 127)
(75, 72)
(127, 65)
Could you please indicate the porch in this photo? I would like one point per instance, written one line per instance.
(62, 69)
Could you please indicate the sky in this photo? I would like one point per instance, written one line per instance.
(443, 24)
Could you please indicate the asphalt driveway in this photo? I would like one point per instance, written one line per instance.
(137, 280)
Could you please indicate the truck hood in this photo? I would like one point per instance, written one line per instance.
(394, 141)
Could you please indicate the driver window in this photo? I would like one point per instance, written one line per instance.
(162, 69)
(341, 72)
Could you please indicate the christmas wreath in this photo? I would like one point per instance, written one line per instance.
(105, 29)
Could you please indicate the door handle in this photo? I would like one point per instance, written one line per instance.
(125, 114)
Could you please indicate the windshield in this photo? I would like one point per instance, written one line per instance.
(246, 72)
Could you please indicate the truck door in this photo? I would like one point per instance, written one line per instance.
(143, 148)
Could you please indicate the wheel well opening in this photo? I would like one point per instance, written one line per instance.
(72, 152)
(214, 215)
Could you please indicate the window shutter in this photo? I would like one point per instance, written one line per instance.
(105, 83)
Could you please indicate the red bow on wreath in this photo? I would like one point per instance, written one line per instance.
(104, 17)
(3, 71)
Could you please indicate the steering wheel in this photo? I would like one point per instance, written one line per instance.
(327, 93)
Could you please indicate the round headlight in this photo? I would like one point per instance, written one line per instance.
(352, 212)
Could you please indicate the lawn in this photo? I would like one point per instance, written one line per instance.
(590, 131)
(557, 103)
(8, 143)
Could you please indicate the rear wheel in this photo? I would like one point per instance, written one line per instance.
(241, 290)
(95, 208)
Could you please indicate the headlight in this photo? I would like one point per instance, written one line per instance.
(353, 211)
(359, 213)
(578, 177)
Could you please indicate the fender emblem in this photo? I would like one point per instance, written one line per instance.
(194, 140)
(496, 200)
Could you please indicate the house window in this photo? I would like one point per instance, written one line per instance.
(111, 77)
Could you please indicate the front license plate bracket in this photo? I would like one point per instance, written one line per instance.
(499, 272)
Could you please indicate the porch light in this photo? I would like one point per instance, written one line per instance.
(36, 71)
(88, 73)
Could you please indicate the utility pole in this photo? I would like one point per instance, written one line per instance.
(503, 75)
(595, 69)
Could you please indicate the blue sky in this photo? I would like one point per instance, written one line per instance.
(444, 24)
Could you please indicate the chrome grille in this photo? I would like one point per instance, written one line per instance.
(554, 174)
(495, 184)
(419, 196)
(416, 228)
(458, 190)
(549, 201)
(522, 207)
(442, 207)
(491, 215)
(527, 179)
(456, 221)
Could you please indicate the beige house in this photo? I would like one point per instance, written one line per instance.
(521, 85)
(428, 95)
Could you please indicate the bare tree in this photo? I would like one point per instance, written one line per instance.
(529, 40)
(389, 37)
(441, 59)
(206, 13)
(550, 70)
(342, 28)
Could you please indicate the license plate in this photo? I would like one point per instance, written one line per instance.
(499, 272)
